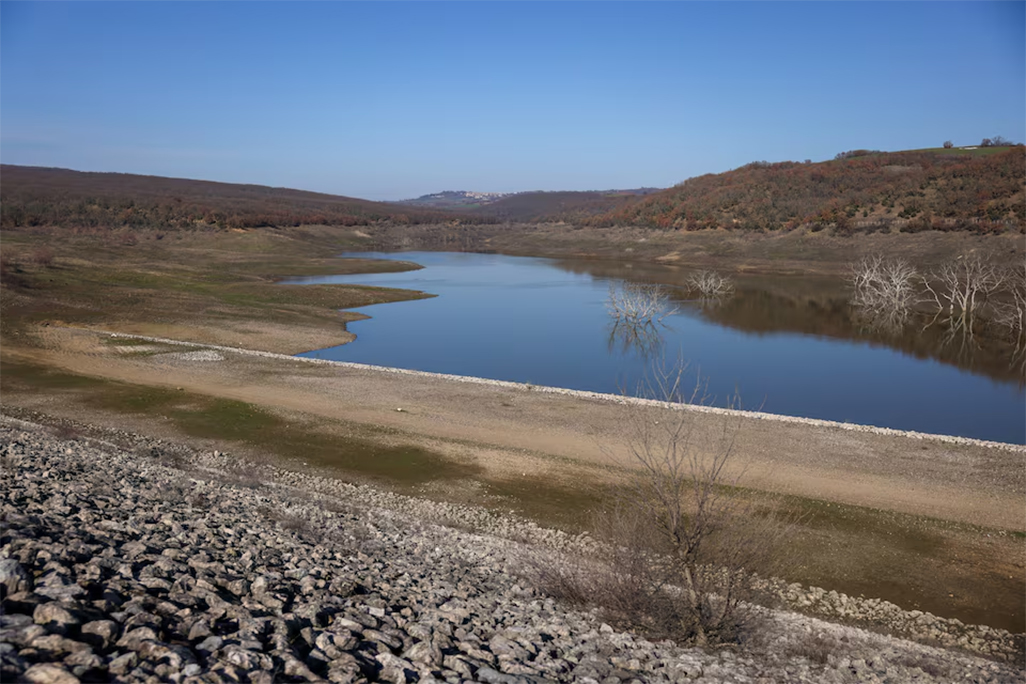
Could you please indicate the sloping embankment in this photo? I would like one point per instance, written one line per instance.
(150, 560)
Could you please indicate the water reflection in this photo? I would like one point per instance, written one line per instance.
(821, 306)
(793, 343)
(645, 339)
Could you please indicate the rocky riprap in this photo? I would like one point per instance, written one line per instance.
(157, 563)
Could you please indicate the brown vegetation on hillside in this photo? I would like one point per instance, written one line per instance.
(32, 196)
(979, 191)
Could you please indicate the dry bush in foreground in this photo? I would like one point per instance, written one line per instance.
(681, 545)
(44, 256)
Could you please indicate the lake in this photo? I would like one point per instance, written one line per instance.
(787, 345)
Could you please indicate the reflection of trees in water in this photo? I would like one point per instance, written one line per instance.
(882, 324)
(974, 302)
(637, 312)
(966, 339)
(709, 303)
(645, 339)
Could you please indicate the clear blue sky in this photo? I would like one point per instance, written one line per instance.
(394, 100)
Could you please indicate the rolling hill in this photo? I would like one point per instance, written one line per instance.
(979, 190)
(34, 196)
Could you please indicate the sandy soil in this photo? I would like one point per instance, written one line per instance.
(508, 430)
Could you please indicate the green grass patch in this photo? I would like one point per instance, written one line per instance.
(18, 375)
(552, 504)
(236, 421)
(194, 281)
(956, 152)
(896, 529)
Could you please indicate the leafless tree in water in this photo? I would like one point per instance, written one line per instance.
(710, 284)
(964, 285)
(884, 285)
(635, 304)
(1011, 313)
(884, 293)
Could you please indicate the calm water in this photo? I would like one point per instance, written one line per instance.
(786, 345)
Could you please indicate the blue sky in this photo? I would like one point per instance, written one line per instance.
(394, 100)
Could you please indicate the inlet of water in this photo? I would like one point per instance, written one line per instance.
(783, 345)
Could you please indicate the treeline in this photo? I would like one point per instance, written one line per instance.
(862, 191)
(31, 196)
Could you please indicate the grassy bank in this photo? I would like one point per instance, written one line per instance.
(218, 287)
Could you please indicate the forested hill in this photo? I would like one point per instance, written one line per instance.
(980, 190)
(34, 196)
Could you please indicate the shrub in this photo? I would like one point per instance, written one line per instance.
(43, 256)
(680, 546)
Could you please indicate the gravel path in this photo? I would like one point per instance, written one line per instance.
(151, 562)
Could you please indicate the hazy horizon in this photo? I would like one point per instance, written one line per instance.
(391, 101)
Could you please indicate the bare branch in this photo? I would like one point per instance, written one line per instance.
(635, 304)
(883, 285)
(710, 284)
(965, 284)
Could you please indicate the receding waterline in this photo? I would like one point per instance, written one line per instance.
(543, 322)
(583, 394)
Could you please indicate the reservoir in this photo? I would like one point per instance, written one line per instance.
(780, 344)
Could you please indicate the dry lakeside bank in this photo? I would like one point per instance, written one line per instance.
(193, 566)
(583, 394)
(926, 523)
(930, 524)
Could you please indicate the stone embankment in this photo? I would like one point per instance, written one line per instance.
(150, 562)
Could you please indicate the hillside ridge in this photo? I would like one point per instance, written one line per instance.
(979, 190)
(39, 196)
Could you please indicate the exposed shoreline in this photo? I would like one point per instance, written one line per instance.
(598, 396)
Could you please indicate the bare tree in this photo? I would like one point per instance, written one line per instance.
(681, 544)
(710, 284)
(884, 285)
(712, 537)
(963, 285)
(1012, 312)
(635, 304)
(948, 144)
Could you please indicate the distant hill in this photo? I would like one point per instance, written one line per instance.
(560, 205)
(35, 196)
(570, 206)
(976, 189)
(455, 199)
